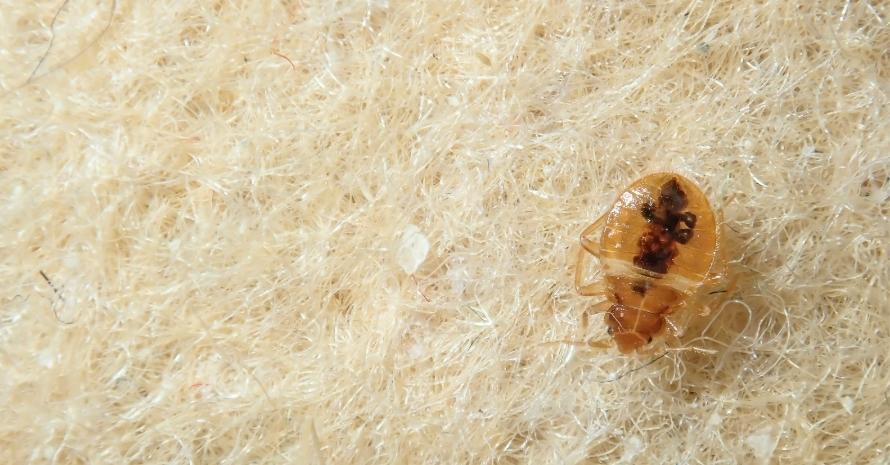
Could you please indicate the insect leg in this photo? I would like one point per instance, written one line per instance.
(599, 307)
(729, 200)
(600, 344)
(705, 311)
(592, 248)
(579, 272)
(595, 288)
(722, 294)
(672, 340)
(589, 245)
(721, 284)
(584, 289)
(650, 350)
(674, 332)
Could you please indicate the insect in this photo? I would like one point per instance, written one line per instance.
(661, 252)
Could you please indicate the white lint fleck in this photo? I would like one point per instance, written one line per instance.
(46, 359)
(632, 447)
(458, 277)
(416, 351)
(413, 249)
(762, 442)
(847, 403)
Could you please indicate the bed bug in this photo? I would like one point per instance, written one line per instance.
(661, 253)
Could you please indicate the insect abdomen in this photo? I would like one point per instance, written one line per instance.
(643, 293)
(639, 306)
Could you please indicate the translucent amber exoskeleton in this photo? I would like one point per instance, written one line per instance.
(660, 250)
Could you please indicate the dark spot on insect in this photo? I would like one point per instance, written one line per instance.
(640, 287)
(610, 331)
(683, 235)
(648, 212)
(650, 340)
(657, 246)
(656, 262)
(672, 196)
